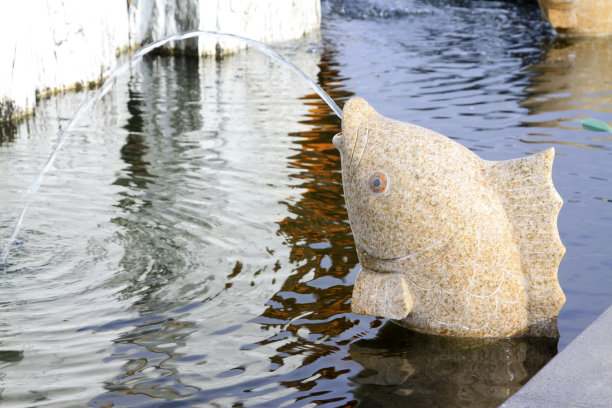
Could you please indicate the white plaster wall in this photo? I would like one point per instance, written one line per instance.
(265, 21)
(55, 44)
(151, 20)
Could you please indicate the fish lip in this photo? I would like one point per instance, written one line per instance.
(391, 264)
(337, 140)
(381, 265)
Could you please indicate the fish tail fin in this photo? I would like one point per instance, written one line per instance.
(532, 204)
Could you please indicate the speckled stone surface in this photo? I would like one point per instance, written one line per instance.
(449, 244)
(578, 17)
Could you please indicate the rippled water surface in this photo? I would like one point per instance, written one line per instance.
(190, 246)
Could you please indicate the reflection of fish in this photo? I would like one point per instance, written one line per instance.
(406, 369)
(449, 243)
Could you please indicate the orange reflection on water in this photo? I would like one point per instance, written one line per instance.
(317, 296)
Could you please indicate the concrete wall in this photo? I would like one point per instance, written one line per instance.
(57, 45)
(265, 21)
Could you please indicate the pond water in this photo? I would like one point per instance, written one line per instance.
(190, 246)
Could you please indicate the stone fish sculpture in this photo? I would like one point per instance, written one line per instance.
(449, 244)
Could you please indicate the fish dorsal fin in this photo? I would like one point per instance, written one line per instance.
(532, 204)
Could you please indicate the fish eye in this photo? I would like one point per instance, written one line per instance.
(377, 182)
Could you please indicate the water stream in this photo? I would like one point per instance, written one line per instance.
(189, 246)
(120, 70)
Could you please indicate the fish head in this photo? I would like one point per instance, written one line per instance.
(395, 188)
(397, 209)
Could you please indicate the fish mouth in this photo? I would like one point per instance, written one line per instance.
(397, 263)
(378, 264)
(337, 141)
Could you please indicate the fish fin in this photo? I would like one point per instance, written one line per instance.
(532, 204)
(383, 294)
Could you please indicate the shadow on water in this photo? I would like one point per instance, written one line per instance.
(407, 369)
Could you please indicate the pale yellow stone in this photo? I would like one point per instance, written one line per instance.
(578, 17)
(449, 244)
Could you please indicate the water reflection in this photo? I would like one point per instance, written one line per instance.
(317, 230)
(8, 359)
(7, 132)
(404, 368)
(571, 82)
(396, 368)
(163, 105)
(304, 346)
(203, 186)
(307, 321)
(192, 246)
(310, 316)
(153, 178)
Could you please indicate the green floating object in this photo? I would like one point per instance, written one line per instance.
(595, 125)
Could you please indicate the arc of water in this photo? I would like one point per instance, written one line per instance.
(108, 84)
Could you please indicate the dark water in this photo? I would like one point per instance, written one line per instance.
(191, 248)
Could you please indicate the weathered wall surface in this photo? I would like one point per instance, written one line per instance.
(265, 21)
(57, 45)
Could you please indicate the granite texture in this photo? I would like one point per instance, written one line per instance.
(449, 244)
(578, 17)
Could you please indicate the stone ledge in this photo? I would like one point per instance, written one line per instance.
(579, 376)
